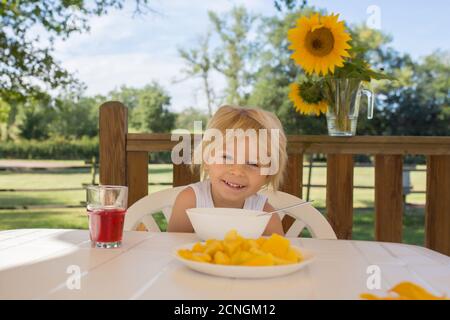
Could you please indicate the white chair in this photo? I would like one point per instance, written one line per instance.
(141, 211)
(305, 216)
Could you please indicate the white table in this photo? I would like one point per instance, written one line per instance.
(38, 264)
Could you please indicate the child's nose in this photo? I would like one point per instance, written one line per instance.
(237, 169)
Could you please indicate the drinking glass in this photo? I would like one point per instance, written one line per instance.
(106, 208)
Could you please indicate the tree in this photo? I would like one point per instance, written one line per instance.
(130, 98)
(417, 102)
(234, 55)
(186, 118)
(127, 95)
(152, 113)
(290, 4)
(24, 60)
(199, 61)
(5, 110)
(76, 117)
(421, 106)
(35, 118)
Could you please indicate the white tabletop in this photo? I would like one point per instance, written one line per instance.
(42, 263)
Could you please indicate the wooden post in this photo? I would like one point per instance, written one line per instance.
(293, 183)
(388, 198)
(113, 127)
(437, 219)
(182, 175)
(340, 194)
(137, 175)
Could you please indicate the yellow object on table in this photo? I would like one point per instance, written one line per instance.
(405, 291)
(236, 250)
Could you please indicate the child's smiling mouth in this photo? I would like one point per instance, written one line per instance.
(234, 186)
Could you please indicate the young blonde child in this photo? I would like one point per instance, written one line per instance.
(231, 183)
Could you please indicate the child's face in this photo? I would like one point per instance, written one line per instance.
(236, 181)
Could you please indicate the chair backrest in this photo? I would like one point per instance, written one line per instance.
(141, 211)
(305, 217)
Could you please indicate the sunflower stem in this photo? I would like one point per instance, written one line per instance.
(343, 105)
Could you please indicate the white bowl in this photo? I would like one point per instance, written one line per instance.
(214, 223)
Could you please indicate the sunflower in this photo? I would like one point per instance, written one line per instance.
(319, 43)
(304, 107)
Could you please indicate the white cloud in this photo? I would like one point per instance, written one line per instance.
(103, 73)
(124, 50)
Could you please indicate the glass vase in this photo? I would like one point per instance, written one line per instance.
(344, 96)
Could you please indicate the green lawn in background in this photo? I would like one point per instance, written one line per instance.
(76, 218)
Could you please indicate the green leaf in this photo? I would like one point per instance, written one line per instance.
(311, 91)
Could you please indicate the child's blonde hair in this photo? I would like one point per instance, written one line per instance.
(234, 117)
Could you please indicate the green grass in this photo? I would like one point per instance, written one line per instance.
(43, 218)
(363, 228)
(413, 225)
(362, 198)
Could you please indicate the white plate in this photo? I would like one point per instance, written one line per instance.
(245, 271)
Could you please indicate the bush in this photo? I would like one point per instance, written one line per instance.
(160, 157)
(55, 148)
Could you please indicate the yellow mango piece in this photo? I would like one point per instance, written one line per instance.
(235, 257)
(280, 261)
(241, 257)
(201, 257)
(257, 251)
(260, 260)
(212, 247)
(370, 296)
(197, 259)
(211, 241)
(245, 256)
(260, 241)
(245, 245)
(231, 246)
(231, 235)
(198, 247)
(250, 243)
(293, 255)
(221, 258)
(405, 291)
(276, 245)
(413, 291)
(184, 253)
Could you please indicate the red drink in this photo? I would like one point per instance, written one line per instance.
(106, 207)
(106, 226)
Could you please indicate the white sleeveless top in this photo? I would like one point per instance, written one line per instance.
(204, 199)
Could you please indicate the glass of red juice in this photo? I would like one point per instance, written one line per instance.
(106, 208)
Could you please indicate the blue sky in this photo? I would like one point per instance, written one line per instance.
(121, 49)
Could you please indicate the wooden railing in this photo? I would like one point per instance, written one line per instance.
(124, 161)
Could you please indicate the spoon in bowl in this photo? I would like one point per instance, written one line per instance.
(285, 208)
